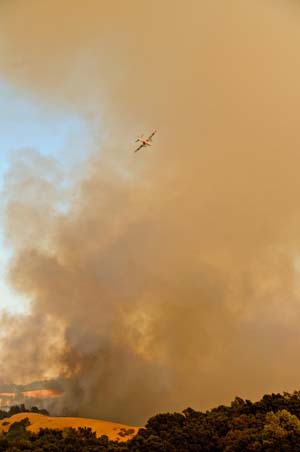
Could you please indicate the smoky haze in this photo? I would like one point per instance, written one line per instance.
(172, 276)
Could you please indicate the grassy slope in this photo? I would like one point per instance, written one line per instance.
(111, 429)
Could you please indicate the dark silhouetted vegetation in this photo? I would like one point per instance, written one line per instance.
(272, 424)
(15, 409)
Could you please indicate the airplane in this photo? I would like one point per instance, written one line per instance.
(145, 141)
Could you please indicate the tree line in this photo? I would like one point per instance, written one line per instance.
(15, 409)
(271, 424)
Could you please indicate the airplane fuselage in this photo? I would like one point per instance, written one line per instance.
(145, 142)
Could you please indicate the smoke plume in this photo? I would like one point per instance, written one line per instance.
(171, 277)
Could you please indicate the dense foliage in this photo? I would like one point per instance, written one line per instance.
(272, 424)
(15, 409)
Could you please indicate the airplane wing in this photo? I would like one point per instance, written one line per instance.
(140, 147)
(152, 135)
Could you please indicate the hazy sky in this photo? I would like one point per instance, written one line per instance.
(170, 277)
(28, 123)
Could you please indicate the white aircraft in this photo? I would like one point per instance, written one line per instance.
(145, 141)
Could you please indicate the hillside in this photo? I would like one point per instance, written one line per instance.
(268, 425)
(113, 430)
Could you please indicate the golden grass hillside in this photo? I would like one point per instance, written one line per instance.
(37, 421)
